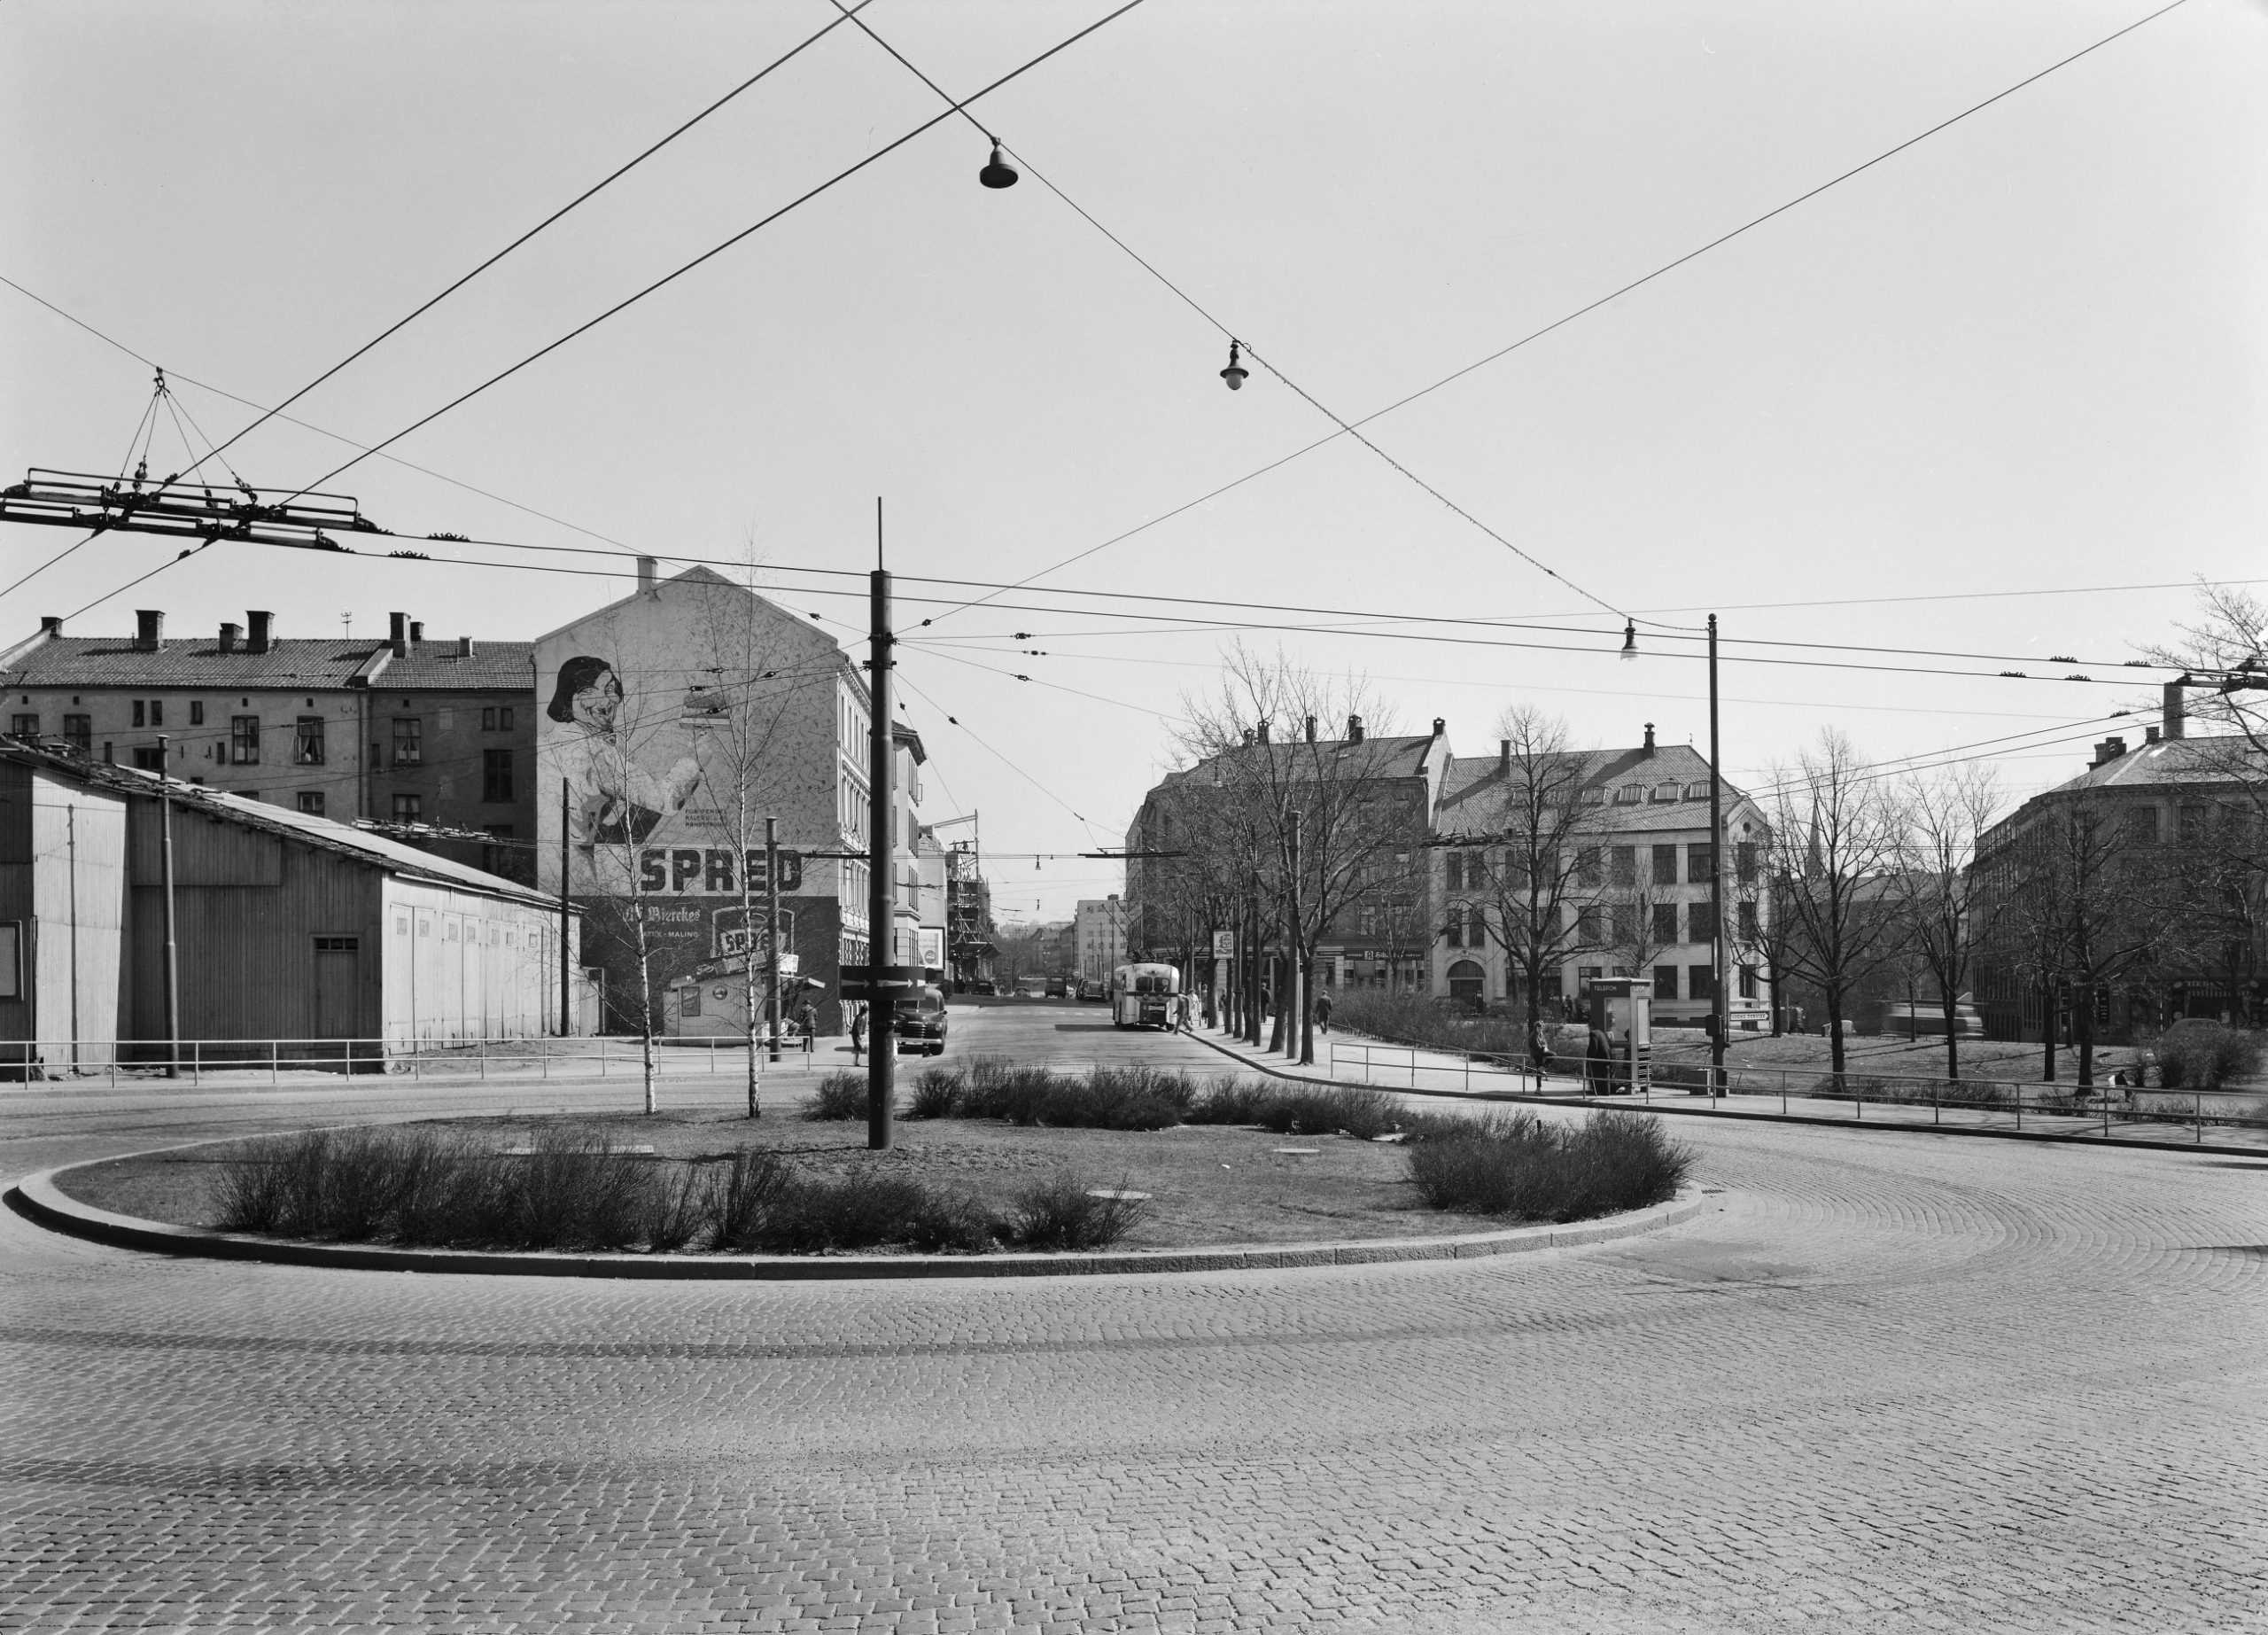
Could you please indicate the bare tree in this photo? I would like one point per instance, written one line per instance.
(1532, 901)
(1836, 841)
(1943, 899)
(1327, 830)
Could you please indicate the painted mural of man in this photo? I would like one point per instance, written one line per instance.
(612, 800)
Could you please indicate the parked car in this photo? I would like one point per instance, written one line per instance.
(919, 1019)
(985, 986)
(1056, 989)
(1093, 988)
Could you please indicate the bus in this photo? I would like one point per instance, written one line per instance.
(1145, 996)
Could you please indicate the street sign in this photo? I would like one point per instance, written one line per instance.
(869, 982)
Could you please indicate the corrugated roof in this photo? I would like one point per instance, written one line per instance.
(115, 661)
(378, 850)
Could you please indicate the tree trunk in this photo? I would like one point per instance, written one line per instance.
(1834, 1030)
(2048, 1030)
(1276, 992)
(1952, 1041)
(1307, 1010)
(2083, 1033)
(645, 1008)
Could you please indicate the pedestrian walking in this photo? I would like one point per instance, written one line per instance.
(1322, 1011)
(1538, 1048)
(807, 1024)
(1598, 1063)
(858, 1033)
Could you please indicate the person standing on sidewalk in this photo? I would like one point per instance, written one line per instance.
(1598, 1063)
(1323, 1012)
(858, 1033)
(1538, 1048)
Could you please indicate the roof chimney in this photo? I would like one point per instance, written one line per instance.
(1263, 731)
(648, 573)
(229, 635)
(1310, 729)
(2108, 751)
(1354, 729)
(2149, 735)
(400, 638)
(1440, 726)
(416, 631)
(149, 630)
(260, 627)
(51, 627)
(1648, 750)
(2173, 707)
(464, 647)
(1504, 758)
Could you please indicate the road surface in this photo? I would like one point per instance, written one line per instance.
(1884, 1382)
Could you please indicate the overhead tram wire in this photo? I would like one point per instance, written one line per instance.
(1566, 319)
(717, 250)
(580, 198)
(954, 720)
(309, 426)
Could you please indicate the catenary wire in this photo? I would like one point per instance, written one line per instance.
(1636, 283)
(708, 255)
(584, 196)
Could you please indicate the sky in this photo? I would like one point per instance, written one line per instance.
(1937, 406)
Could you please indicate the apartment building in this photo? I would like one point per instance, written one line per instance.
(435, 740)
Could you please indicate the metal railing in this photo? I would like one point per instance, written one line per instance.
(196, 1061)
(1808, 1091)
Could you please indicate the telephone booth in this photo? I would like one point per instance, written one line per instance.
(1622, 1009)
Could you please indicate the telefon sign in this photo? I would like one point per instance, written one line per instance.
(712, 871)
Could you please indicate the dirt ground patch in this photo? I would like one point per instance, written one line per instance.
(1210, 1185)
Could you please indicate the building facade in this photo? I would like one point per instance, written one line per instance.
(1636, 901)
(1099, 938)
(670, 725)
(434, 739)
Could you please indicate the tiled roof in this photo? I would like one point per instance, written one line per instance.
(1388, 757)
(494, 665)
(113, 661)
(2171, 760)
(1472, 787)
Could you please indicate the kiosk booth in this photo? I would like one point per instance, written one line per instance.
(1622, 1009)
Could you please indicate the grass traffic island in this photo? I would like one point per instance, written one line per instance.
(1007, 1161)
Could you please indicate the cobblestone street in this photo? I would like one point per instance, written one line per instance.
(1884, 1382)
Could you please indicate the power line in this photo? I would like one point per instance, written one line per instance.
(579, 198)
(668, 278)
(1579, 312)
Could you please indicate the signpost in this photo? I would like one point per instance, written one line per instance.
(878, 984)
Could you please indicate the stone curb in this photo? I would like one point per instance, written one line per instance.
(2065, 1138)
(38, 1199)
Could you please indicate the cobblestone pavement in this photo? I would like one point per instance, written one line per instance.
(1886, 1383)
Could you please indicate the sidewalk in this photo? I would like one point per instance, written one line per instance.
(1353, 1059)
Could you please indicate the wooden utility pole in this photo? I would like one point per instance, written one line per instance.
(566, 989)
(772, 932)
(166, 871)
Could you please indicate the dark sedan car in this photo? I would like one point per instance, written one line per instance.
(919, 1020)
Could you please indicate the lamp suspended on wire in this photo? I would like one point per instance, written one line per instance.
(1630, 638)
(1236, 374)
(999, 172)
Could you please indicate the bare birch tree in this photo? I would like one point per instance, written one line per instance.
(1943, 899)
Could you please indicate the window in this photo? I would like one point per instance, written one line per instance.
(243, 740)
(689, 996)
(1665, 981)
(1748, 982)
(2142, 826)
(496, 718)
(1666, 792)
(1701, 921)
(337, 945)
(1744, 860)
(1700, 982)
(311, 802)
(2192, 819)
(138, 721)
(1696, 791)
(1587, 865)
(1699, 861)
(1622, 865)
(1628, 795)
(408, 809)
(27, 726)
(1476, 871)
(1664, 921)
(79, 732)
(1453, 933)
(149, 758)
(496, 777)
(197, 712)
(1665, 864)
(1591, 925)
(1476, 927)
(1625, 923)
(1454, 866)
(1594, 798)
(307, 742)
(1749, 928)
(409, 741)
